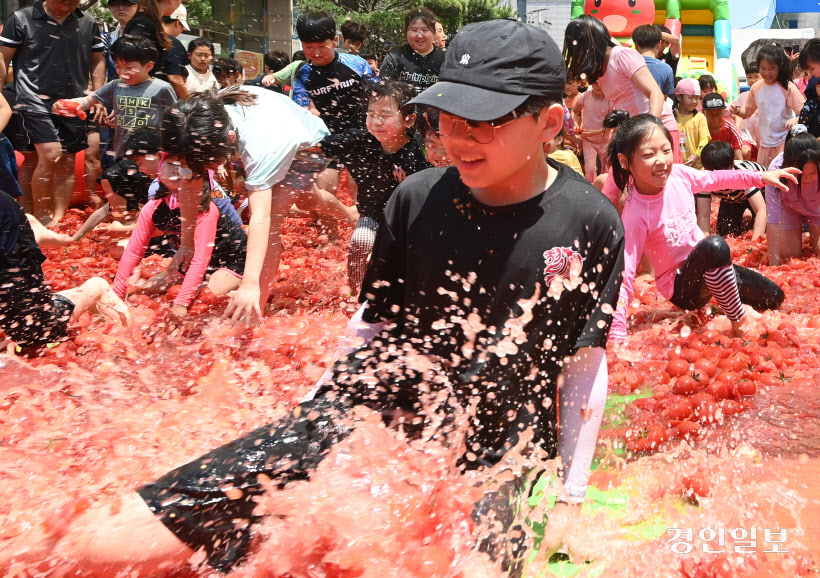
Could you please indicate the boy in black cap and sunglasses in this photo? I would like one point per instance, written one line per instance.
(488, 281)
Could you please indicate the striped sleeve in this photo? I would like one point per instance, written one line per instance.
(734, 134)
(97, 42)
(13, 33)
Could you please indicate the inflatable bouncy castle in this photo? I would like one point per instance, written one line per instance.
(703, 26)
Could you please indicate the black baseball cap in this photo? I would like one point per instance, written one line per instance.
(713, 101)
(492, 67)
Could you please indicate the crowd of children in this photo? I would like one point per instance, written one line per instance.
(475, 239)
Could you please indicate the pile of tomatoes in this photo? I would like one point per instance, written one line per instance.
(692, 375)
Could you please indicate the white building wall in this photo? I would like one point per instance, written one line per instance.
(552, 15)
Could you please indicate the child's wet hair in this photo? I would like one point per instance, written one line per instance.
(775, 55)
(399, 92)
(224, 67)
(197, 129)
(800, 149)
(199, 42)
(132, 49)
(810, 53)
(707, 81)
(614, 118)
(717, 156)
(315, 26)
(424, 14)
(585, 42)
(143, 141)
(631, 134)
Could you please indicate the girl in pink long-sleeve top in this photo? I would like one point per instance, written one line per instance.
(219, 243)
(659, 220)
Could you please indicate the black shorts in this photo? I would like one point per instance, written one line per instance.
(730, 218)
(35, 317)
(209, 503)
(41, 127)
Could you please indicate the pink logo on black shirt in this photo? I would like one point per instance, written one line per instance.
(558, 262)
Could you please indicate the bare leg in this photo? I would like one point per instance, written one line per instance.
(282, 197)
(814, 234)
(42, 180)
(93, 168)
(791, 243)
(64, 181)
(703, 210)
(322, 201)
(222, 282)
(24, 175)
(327, 180)
(46, 237)
(122, 537)
(97, 294)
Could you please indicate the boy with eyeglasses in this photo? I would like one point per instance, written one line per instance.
(489, 281)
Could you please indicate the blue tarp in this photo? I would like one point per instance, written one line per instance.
(797, 6)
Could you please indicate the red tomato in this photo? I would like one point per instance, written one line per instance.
(207, 296)
(198, 309)
(745, 387)
(687, 429)
(678, 410)
(697, 485)
(172, 292)
(638, 444)
(656, 436)
(734, 363)
(731, 407)
(691, 355)
(686, 385)
(774, 336)
(719, 390)
(769, 380)
(705, 366)
(677, 367)
(150, 270)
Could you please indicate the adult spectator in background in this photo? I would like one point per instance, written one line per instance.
(123, 12)
(669, 49)
(55, 47)
(418, 61)
(441, 38)
(275, 60)
(354, 35)
(201, 55)
(647, 39)
(173, 63)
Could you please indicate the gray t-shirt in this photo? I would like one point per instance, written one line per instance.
(136, 107)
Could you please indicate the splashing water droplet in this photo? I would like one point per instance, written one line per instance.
(685, 331)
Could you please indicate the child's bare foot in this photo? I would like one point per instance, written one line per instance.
(112, 308)
(739, 328)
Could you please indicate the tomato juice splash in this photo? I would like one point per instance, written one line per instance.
(118, 407)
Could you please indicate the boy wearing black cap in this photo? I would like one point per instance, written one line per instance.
(489, 280)
(720, 127)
